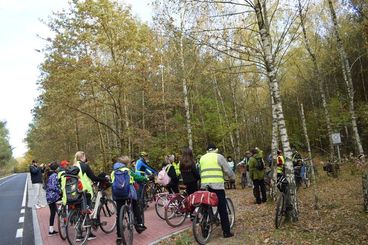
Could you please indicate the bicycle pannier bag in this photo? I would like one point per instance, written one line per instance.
(203, 197)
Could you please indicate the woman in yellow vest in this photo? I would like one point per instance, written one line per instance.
(212, 169)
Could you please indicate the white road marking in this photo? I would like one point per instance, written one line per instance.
(25, 193)
(21, 220)
(22, 211)
(19, 233)
(7, 180)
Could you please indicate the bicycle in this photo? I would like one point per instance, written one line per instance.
(177, 209)
(152, 189)
(62, 212)
(283, 204)
(206, 217)
(105, 209)
(306, 173)
(161, 201)
(126, 221)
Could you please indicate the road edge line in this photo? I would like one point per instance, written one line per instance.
(36, 226)
(7, 176)
(168, 236)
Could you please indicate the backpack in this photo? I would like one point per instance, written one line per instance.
(260, 163)
(121, 184)
(163, 178)
(71, 189)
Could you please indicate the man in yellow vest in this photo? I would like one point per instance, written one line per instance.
(212, 169)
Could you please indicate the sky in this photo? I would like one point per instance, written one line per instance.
(20, 28)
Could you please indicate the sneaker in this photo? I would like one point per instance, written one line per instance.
(228, 235)
(53, 233)
(140, 228)
(79, 239)
(91, 236)
(37, 207)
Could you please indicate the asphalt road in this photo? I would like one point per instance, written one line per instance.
(16, 225)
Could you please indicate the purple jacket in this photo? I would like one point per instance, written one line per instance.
(52, 189)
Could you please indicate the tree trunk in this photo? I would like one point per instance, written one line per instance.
(237, 133)
(318, 76)
(275, 93)
(128, 133)
(365, 190)
(345, 65)
(363, 82)
(77, 140)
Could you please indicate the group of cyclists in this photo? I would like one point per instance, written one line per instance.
(205, 173)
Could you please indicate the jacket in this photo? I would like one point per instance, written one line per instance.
(254, 173)
(52, 189)
(36, 174)
(190, 175)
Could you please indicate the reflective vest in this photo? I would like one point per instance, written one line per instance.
(63, 182)
(280, 167)
(211, 171)
(176, 167)
(86, 181)
(122, 169)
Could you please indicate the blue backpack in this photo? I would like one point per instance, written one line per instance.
(121, 184)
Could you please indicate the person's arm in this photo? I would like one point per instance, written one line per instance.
(172, 174)
(225, 166)
(33, 170)
(137, 177)
(90, 174)
(150, 168)
(251, 164)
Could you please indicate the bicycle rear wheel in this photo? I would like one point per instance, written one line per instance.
(201, 225)
(230, 211)
(62, 219)
(126, 221)
(106, 215)
(77, 227)
(161, 201)
(280, 211)
(175, 213)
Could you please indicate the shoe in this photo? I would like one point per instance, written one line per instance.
(140, 228)
(228, 235)
(37, 206)
(91, 237)
(79, 239)
(42, 206)
(119, 241)
(53, 233)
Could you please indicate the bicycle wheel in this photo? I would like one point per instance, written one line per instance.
(230, 211)
(126, 221)
(62, 219)
(161, 201)
(280, 211)
(106, 215)
(175, 213)
(77, 227)
(201, 225)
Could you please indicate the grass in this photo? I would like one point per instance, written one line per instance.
(339, 220)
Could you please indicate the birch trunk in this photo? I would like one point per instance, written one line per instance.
(220, 118)
(275, 140)
(345, 65)
(318, 76)
(185, 83)
(77, 140)
(305, 130)
(363, 83)
(275, 93)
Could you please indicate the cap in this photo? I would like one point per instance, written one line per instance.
(64, 163)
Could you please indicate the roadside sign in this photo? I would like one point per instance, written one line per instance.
(336, 138)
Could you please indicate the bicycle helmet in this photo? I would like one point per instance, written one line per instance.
(143, 154)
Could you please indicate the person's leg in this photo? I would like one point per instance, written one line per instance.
(136, 212)
(249, 181)
(256, 191)
(53, 209)
(222, 209)
(119, 204)
(36, 190)
(263, 190)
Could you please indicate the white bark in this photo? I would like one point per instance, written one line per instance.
(345, 65)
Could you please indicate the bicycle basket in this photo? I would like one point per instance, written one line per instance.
(282, 184)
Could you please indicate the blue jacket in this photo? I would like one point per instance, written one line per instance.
(142, 168)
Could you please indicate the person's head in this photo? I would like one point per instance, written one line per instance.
(64, 164)
(187, 159)
(254, 151)
(229, 158)
(248, 154)
(144, 155)
(211, 148)
(34, 162)
(53, 166)
(80, 156)
(171, 158)
(124, 159)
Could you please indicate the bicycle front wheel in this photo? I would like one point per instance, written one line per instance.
(126, 222)
(201, 225)
(77, 227)
(280, 211)
(230, 211)
(106, 215)
(175, 213)
(161, 201)
(62, 219)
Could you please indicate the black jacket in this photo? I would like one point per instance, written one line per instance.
(88, 171)
(36, 174)
(190, 175)
(174, 178)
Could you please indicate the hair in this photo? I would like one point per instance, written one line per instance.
(254, 151)
(187, 159)
(123, 159)
(78, 156)
(50, 169)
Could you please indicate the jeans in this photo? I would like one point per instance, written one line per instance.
(37, 188)
(259, 187)
(222, 209)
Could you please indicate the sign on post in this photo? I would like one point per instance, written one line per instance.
(336, 138)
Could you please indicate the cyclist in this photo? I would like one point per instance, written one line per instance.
(86, 176)
(122, 164)
(257, 175)
(189, 171)
(212, 168)
(142, 167)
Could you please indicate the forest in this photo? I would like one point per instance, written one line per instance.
(239, 74)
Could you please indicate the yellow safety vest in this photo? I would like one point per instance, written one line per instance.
(122, 169)
(210, 170)
(63, 182)
(280, 168)
(177, 168)
(86, 181)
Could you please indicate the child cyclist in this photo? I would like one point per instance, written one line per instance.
(121, 167)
